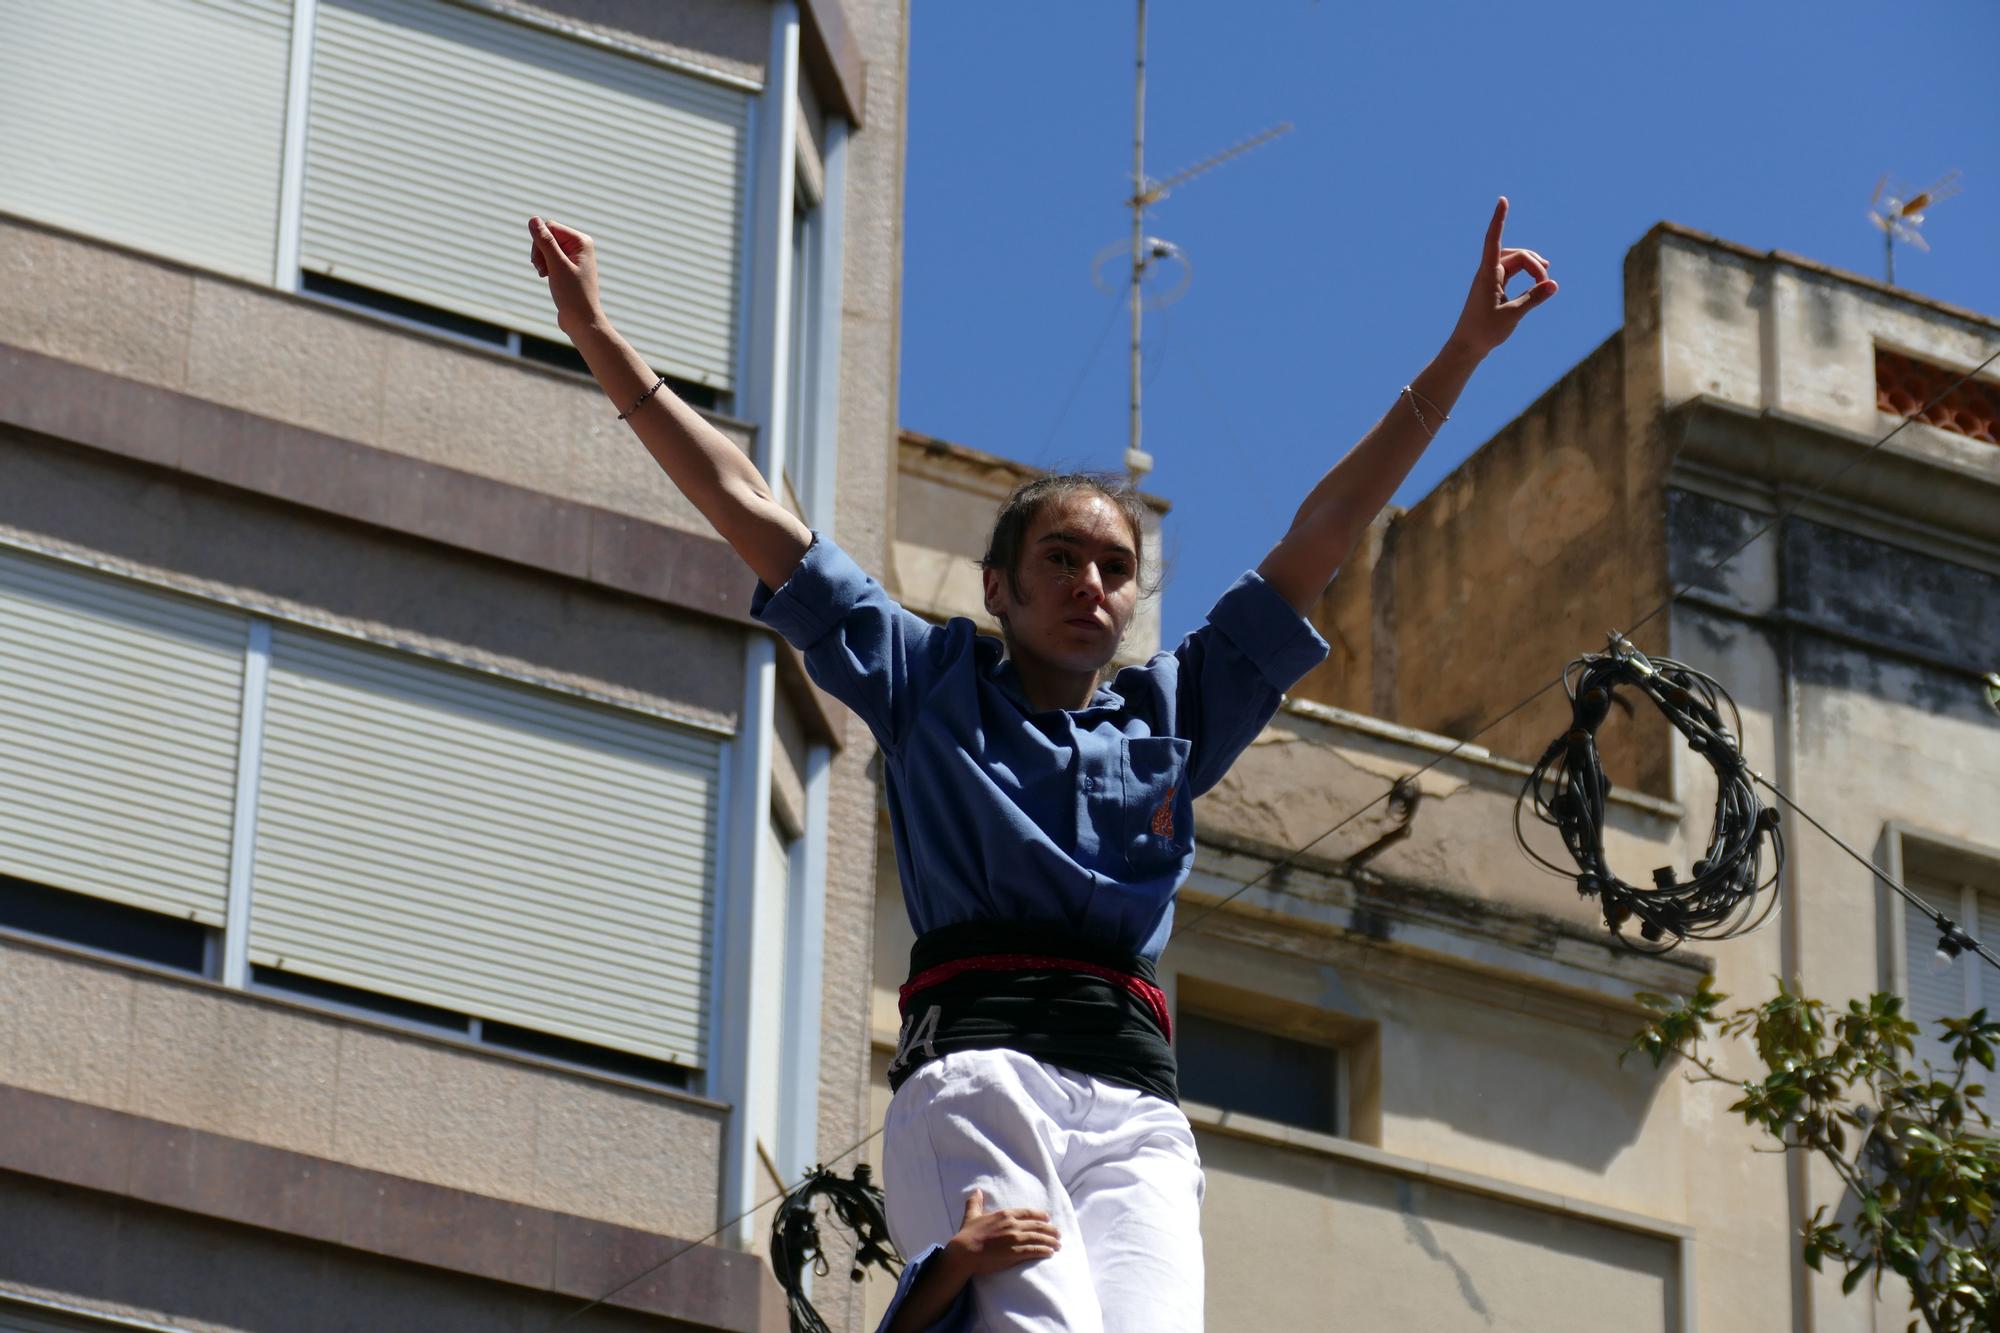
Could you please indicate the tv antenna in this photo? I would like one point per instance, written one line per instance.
(1149, 254)
(1900, 213)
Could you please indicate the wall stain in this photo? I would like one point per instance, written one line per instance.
(1420, 1231)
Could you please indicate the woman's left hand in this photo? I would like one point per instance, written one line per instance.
(1489, 317)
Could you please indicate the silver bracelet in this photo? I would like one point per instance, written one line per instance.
(1443, 416)
(1415, 398)
(657, 385)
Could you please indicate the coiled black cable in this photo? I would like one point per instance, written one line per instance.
(795, 1239)
(1568, 788)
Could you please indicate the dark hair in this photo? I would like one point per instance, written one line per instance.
(1030, 498)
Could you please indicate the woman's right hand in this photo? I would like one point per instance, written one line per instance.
(568, 259)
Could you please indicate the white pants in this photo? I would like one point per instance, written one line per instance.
(1115, 1169)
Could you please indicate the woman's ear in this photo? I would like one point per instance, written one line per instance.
(992, 581)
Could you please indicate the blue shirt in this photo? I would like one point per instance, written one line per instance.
(1080, 818)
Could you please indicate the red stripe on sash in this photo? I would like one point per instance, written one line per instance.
(1155, 999)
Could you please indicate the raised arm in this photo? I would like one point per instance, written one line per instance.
(712, 472)
(1339, 509)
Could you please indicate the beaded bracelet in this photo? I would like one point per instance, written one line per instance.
(643, 397)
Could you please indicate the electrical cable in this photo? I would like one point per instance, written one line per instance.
(1953, 934)
(697, 1244)
(1952, 940)
(1567, 789)
(1110, 319)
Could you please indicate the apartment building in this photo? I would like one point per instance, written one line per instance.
(422, 887)
(1747, 392)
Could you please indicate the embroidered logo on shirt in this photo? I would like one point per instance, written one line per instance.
(1163, 818)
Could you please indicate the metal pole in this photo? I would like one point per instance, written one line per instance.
(1136, 462)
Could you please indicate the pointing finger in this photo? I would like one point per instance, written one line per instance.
(1492, 255)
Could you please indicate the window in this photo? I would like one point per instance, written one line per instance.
(103, 926)
(157, 124)
(544, 351)
(439, 123)
(1235, 1067)
(450, 128)
(438, 846)
(501, 1036)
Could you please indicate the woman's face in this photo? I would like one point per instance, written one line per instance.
(1078, 580)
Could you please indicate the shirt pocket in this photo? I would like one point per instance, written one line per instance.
(1159, 808)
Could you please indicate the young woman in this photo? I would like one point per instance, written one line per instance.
(1043, 823)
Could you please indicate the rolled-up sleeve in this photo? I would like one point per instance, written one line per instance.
(859, 645)
(957, 1317)
(1234, 672)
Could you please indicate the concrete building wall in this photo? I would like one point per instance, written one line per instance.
(265, 1071)
(870, 352)
(296, 360)
(150, 1263)
(325, 466)
(1541, 533)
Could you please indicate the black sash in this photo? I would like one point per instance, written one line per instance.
(1041, 991)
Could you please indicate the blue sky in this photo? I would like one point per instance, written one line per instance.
(1329, 265)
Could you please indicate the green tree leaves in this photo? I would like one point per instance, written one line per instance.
(1914, 1147)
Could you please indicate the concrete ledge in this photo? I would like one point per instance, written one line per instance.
(230, 447)
(1313, 900)
(1920, 481)
(1237, 1125)
(313, 1198)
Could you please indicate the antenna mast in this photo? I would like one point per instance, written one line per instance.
(1144, 250)
(1137, 461)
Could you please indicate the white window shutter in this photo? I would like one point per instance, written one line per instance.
(119, 712)
(464, 842)
(1935, 991)
(435, 131)
(157, 124)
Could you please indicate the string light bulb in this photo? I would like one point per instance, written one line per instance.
(1951, 943)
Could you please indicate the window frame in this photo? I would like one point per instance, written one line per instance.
(1355, 1043)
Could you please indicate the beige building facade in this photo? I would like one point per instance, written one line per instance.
(427, 901)
(1400, 1045)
